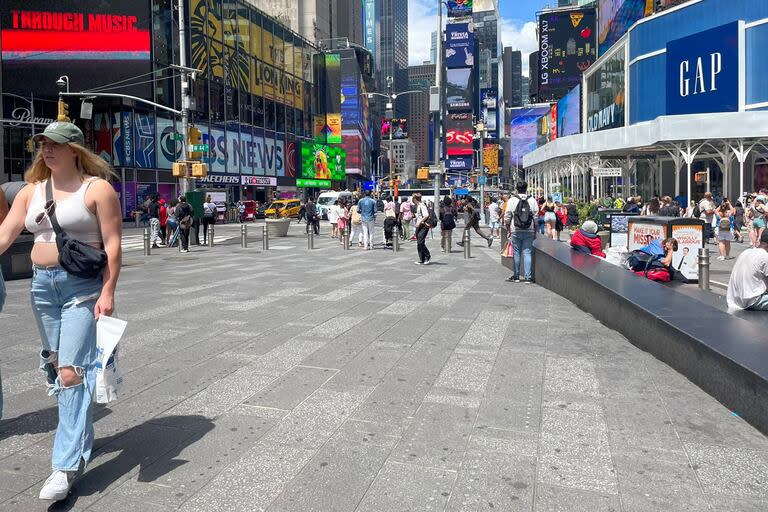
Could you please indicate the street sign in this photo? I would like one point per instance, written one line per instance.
(203, 148)
(607, 172)
(178, 136)
(305, 183)
(482, 180)
(435, 169)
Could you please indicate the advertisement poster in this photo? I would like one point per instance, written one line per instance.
(459, 8)
(641, 234)
(569, 113)
(459, 89)
(619, 230)
(322, 162)
(459, 45)
(169, 149)
(101, 42)
(491, 158)
(523, 131)
(102, 132)
(144, 140)
(458, 164)
(399, 128)
(459, 134)
(615, 17)
(606, 91)
(489, 99)
(689, 240)
(566, 50)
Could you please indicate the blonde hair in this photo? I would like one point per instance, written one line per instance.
(86, 161)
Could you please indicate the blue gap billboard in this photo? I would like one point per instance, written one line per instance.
(703, 72)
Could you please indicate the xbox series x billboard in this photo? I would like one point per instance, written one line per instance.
(92, 42)
(566, 50)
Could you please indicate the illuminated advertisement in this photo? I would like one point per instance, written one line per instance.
(569, 113)
(489, 98)
(459, 89)
(604, 101)
(333, 97)
(459, 45)
(399, 128)
(523, 131)
(566, 50)
(111, 37)
(459, 8)
(615, 17)
(491, 158)
(459, 134)
(322, 162)
(458, 164)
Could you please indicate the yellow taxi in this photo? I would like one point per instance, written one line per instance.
(284, 208)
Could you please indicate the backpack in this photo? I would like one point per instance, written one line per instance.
(449, 222)
(696, 212)
(209, 211)
(523, 216)
(356, 218)
(432, 218)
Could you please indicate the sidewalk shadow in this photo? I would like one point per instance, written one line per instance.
(39, 422)
(153, 446)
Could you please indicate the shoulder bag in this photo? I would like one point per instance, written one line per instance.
(76, 257)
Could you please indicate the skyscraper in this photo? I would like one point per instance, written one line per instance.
(486, 20)
(420, 78)
(310, 18)
(433, 48)
(513, 77)
(392, 49)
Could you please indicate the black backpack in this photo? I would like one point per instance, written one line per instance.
(523, 216)
(432, 219)
(449, 222)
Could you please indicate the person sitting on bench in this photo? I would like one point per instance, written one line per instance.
(747, 286)
(585, 240)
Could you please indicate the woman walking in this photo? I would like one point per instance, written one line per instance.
(356, 221)
(724, 233)
(422, 229)
(738, 221)
(68, 187)
(341, 222)
(172, 223)
(550, 219)
(209, 217)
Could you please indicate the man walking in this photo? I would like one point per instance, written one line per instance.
(154, 221)
(367, 208)
(423, 225)
(473, 215)
(310, 210)
(519, 216)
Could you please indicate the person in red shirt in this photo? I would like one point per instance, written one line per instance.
(561, 214)
(163, 219)
(585, 239)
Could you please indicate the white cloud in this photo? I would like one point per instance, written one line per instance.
(422, 21)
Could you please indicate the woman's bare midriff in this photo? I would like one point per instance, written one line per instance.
(46, 254)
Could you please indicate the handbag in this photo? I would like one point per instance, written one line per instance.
(76, 257)
(509, 251)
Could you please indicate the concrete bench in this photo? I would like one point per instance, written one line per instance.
(725, 355)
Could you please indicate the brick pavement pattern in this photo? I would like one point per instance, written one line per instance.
(328, 380)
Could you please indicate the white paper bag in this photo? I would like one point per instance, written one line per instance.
(108, 378)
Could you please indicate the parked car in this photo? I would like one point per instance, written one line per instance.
(326, 199)
(261, 211)
(284, 208)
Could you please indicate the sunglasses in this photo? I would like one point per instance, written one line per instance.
(48, 210)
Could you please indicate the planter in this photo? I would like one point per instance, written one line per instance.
(278, 227)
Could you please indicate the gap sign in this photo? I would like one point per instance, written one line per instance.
(703, 72)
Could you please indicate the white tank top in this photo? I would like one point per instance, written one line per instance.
(73, 215)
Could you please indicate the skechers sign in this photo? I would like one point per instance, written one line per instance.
(703, 72)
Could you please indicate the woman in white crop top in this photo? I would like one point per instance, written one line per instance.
(66, 306)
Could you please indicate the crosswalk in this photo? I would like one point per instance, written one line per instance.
(135, 241)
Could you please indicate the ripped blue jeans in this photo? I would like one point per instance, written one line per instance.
(63, 307)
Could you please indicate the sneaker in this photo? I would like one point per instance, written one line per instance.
(528, 281)
(184, 250)
(513, 279)
(460, 244)
(721, 258)
(426, 262)
(490, 241)
(154, 246)
(418, 263)
(56, 487)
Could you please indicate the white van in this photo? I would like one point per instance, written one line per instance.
(326, 199)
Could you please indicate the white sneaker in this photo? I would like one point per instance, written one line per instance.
(721, 258)
(56, 487)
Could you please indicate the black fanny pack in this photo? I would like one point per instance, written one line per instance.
(76, 257)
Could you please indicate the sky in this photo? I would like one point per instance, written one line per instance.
(518, 26)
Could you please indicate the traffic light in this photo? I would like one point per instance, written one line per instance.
(199, 170)
(63, 111)
(179, 169)
(30, 145)
(195, 137)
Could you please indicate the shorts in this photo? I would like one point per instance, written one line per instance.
(549, 217)
(494, 224)
(758, 223)
(725, 235)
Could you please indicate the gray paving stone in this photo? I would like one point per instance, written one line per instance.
(494, 481)
(406, 487)
(289, 390)
(736, 472)
(551, 498)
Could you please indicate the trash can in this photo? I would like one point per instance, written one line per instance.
(16, 262)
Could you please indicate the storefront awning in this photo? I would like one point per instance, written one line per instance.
(647, 135)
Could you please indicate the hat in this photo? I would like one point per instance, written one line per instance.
(761, 198)
(61, 132)
(590, 227)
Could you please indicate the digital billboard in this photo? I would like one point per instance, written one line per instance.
(615, 17)
(566, 50)
(523, 131)
(459, 134)
(569, 113)
(459, 89)
(399, 128)
(459, 8)
(489, 98)
(92, 42)
(604, 100)
(459, 45)
(458, 164)
(322, 162)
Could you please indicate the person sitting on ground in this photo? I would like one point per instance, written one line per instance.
(631, 206)
(585, 239)
(747, 286)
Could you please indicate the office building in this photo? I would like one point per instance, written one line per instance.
(513, 77)
(420, 78)
(391, 52)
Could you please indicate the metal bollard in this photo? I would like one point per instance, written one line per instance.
(243, 236)
(467, 245)
(265, 238)
(704, 268)
(310, 240)
(448, 241)
(395, 241)
(504, 238)
(210, 235)
(146, 242)
(345, 240)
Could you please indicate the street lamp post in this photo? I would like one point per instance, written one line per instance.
(439, 115)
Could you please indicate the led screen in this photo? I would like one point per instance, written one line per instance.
(458, 134)
(569, 113)
(459, 89)
(93, 42)
(322, 162)
(523, 131)
(399, 128)
(615, 17)
(459, 45)
(458, 8)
